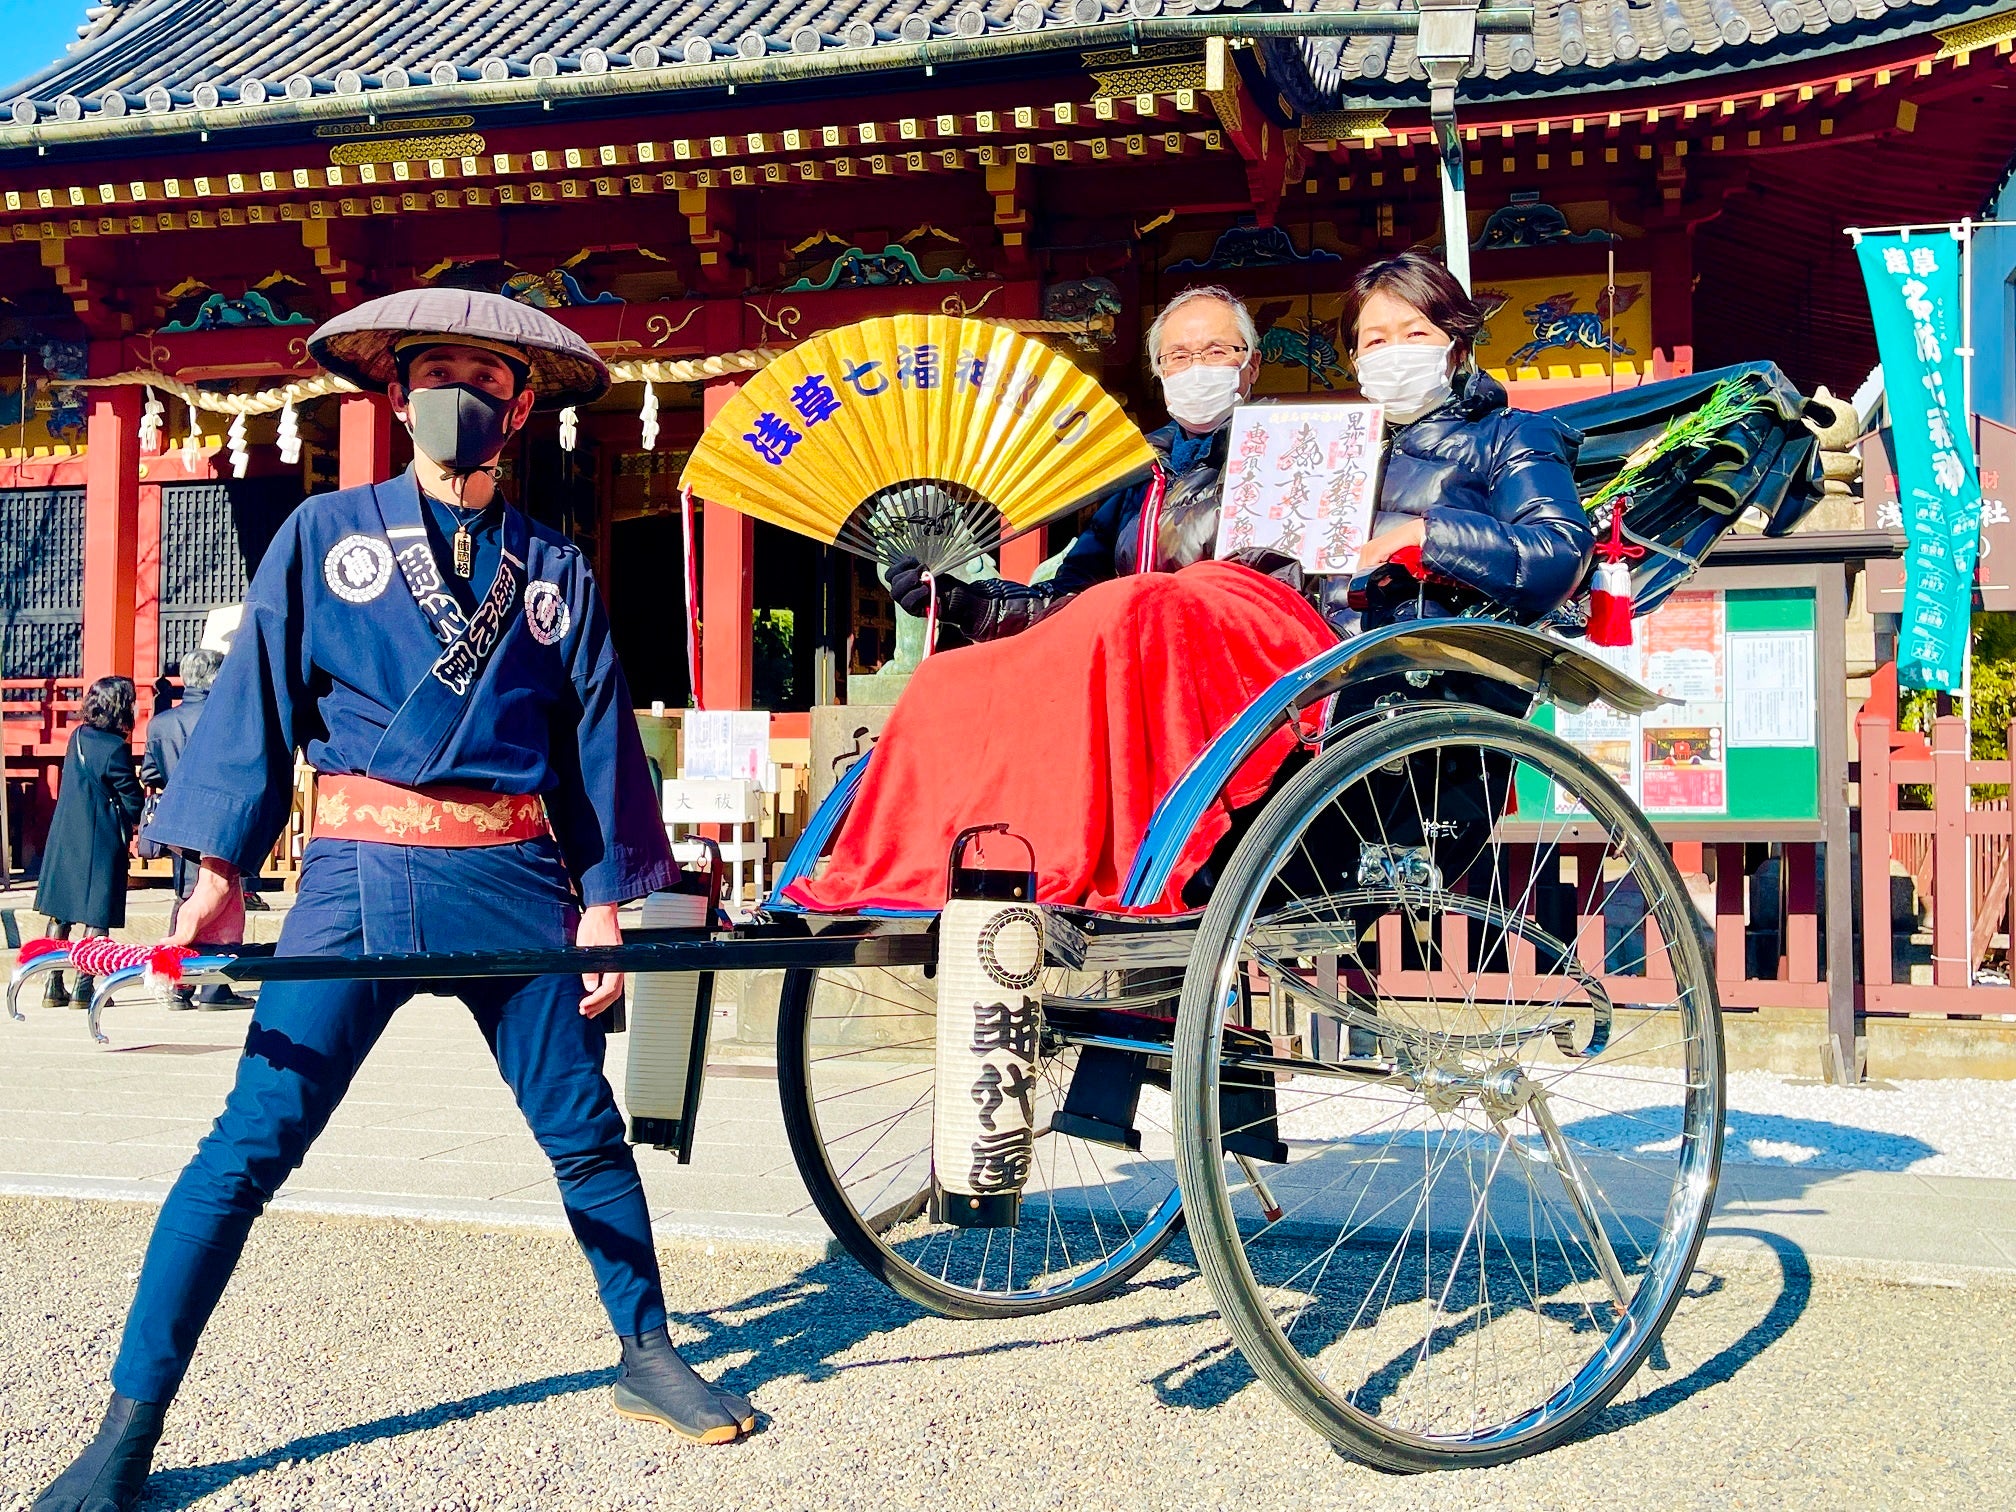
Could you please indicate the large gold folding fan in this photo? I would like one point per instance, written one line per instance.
(916, 435)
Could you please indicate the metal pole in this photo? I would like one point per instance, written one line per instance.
(1964, 234)
(1856, 233)
(1455, 208)
(1610, 310)
(1444, 43)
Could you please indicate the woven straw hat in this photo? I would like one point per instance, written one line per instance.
(360, 344)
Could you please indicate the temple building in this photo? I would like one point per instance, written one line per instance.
(1653, 188)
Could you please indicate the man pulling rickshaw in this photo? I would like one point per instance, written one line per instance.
(445, 662)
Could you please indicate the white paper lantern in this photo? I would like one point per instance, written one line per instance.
(990, 1027)
(668, 1021)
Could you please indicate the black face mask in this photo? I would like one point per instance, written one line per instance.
(460, 427)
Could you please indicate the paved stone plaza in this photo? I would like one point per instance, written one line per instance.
(429, 1131)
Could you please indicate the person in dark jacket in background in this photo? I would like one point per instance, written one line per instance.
(167, 734)
(1484, 494)
(84, 865)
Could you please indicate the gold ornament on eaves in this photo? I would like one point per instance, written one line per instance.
(917, 435)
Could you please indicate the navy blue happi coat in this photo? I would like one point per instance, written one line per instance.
(361, 650)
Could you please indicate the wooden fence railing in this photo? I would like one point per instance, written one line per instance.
(1959, 852)
(1760, 962)
(37, 713)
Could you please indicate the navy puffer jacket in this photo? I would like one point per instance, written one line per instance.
(1493, 483)
(1497, 490)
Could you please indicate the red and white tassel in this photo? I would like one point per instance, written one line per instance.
(1610, 605)
(101, 957)
(164, 967)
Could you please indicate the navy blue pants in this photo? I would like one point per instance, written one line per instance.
(307, 1040)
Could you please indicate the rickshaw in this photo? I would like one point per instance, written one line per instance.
(1432, 1071)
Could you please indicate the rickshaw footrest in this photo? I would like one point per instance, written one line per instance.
(1095, 1131)
(1259, 1146)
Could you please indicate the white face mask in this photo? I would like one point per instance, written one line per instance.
(1409, 380)
(1199, 398)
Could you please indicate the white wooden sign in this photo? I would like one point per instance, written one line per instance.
(1302, 480)
(712, 800)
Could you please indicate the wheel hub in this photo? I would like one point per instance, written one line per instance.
(1448, 1081)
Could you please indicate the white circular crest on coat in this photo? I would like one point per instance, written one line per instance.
(357, 568)
(546, 611)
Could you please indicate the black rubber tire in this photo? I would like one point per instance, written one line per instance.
(1214, 1233)
(801, 1125)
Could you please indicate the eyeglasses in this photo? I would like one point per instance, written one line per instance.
(1218, 354)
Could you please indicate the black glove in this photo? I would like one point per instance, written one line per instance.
(908, 588)
(958, 604)
(979, 611)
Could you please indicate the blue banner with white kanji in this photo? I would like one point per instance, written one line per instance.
(1914, 296)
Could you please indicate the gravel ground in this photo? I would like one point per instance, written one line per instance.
(1955, 1127)
(363, 1364)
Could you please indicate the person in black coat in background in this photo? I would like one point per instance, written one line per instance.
(84, 865)
(167, 734)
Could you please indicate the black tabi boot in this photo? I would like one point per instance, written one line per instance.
(81, 996)
(657, 1386)
(108, 1475)
(54, 993)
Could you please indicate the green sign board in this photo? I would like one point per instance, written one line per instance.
(1743, 741)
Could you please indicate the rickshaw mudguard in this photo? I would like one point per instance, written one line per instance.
(1543, 666)
(818, 834)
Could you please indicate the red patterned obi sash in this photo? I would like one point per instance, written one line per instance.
(348, 807)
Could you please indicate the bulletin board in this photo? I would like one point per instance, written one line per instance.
(1743, 746)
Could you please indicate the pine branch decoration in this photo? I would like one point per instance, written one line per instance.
(1729, 401)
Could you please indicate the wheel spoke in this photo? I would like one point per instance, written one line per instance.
(862, 1131)
(1475, 1249)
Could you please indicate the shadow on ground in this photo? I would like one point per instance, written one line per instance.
(798, 1328)
(1771, 1139)
(806, 1326)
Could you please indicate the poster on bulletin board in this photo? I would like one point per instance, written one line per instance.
(1739, 739)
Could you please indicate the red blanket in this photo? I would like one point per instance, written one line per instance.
(1070, 733)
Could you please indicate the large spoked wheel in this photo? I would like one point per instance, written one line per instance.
(856, 1071)
(1501, 1107)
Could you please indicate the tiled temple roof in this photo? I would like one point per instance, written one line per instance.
(156, 57)
(1611, 43)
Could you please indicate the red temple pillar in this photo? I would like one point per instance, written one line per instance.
(1022, 556)
(364, 441)
(111, 529)
(147, 606)
(1672, 280)
(727, 589)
